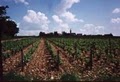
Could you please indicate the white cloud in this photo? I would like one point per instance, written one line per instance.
(99, 29)
(92, 29)
(70, 17)
(22, 1)
(116, 10)
(61, 26)
(18, 24)
(36, 18)
(67, 4)
(88, 25)
(64, 13)
(28, 32)
(115, 20)
(34, 21)
(18, 1)
(65, 17)
(57, 19)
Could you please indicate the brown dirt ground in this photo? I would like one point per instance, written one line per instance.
(12, 62)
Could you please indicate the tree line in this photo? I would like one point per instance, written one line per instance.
(8, 28)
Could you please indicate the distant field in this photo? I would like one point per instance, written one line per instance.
(78, 59)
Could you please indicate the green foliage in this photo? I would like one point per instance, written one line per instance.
(16, 46)
(69, 77)
(28, 55)
(78, 46)
(107, 77)
(6, 55)
(10, 29)
(14, 77)
(52, 53)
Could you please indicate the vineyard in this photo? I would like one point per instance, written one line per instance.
(72, 59)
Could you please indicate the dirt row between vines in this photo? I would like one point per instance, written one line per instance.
(36, 67)
(12, 40)
(39, 66)
(11, 63)
(98, 66)
(68, 67)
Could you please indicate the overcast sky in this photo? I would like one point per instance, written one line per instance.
(82, 16)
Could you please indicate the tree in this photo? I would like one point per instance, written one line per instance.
(10, 28)
(41, 34)
(3, 18)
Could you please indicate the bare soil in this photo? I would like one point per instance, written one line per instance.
(12, 39)
(11, 63)
(40, 66)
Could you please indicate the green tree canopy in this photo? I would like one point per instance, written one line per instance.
(7, 27)
(10, 28)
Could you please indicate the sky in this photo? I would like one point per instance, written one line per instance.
(81, 16)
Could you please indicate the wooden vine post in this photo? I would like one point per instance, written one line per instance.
(58, 59)
(91, 55)
(22, 55)
(75, 47)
